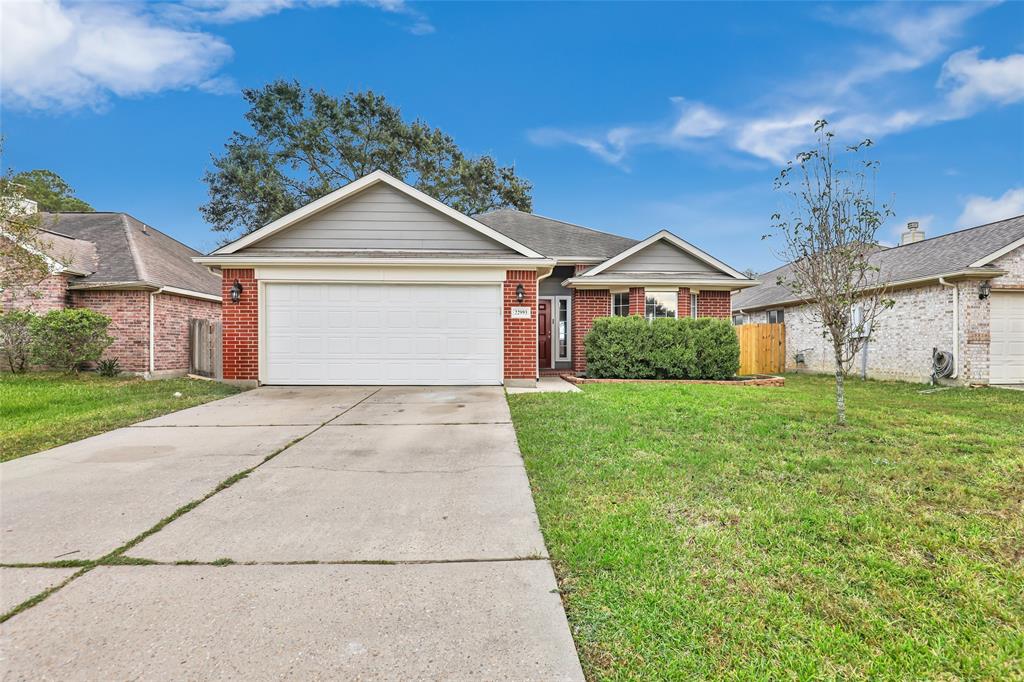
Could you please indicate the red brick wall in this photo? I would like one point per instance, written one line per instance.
(587, 305)
(520, 335)
(129, 324)
(171, 316)
(241, 326)
(637, 301)
(49, 294)
(683, 303)
(714, 304)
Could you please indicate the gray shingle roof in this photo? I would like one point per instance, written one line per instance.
(929, 258)
(554, 238)
(76, 254)
(130, 252)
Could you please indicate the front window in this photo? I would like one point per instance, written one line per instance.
(693, 306)
(661, 304)
(562, 328)
(620, 305)
(776, 316)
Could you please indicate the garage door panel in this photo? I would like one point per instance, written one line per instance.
(382, 334)
(1006, 345)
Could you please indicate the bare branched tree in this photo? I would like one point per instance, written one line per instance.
(828, 235)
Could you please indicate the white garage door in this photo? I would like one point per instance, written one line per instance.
(1006, 353)
(383, 334)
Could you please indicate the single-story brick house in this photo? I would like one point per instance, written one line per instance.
(144, 280)
(378, 283)
(961, 292)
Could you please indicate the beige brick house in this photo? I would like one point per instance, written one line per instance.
(144, 280)
(961, 292)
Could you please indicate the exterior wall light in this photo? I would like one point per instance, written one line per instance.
(236, 291)
(520, 293)
(984, 289)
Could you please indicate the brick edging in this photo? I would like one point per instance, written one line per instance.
(754, 381)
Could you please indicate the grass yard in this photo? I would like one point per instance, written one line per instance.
(41, 410)
(729, 532)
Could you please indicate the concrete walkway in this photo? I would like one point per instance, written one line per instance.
(370, 533)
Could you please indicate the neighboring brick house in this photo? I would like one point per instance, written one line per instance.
(961, 292)
(144, 280)
(378, 283)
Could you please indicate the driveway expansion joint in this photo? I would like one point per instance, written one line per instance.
(111, 558)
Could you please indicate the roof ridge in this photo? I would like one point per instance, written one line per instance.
(157, 229)
(133, 248)
(950, 234)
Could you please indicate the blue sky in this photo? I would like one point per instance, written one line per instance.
(626, 117)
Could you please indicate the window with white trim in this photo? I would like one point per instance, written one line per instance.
(776, 316)
(661, 303)
(562, 328)
(620, 305)
(693, 306)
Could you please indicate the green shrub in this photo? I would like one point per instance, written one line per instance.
(108, 368)
(16, 339)
(65, 339)
(667, 348)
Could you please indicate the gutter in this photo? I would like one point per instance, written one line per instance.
(956, 326)
(708, 284)
(966, 273)
(230, 262)
(152, 329)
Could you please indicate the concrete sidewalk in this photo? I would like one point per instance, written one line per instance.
(413, 502)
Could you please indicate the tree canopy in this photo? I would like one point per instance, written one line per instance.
(306, 143)
(48, 190)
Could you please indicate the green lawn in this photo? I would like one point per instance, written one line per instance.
(41, 410)
(731, 532)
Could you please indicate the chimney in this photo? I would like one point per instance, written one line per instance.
(913, 234)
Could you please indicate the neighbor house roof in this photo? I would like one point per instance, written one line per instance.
(555, 238)
(968, 251)
(127, 252)
(76, 256)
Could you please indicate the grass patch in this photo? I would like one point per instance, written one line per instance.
(730, 532)
(41, 410)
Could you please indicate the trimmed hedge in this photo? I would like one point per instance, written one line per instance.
(666, 348)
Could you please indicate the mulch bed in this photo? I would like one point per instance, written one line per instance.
(760, 380)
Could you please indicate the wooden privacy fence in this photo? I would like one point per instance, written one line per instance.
(204, 348)
(762, 348)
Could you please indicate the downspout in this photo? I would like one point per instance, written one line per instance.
(152, 329)
(956, 326)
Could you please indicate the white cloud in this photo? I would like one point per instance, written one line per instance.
(693, 121)
(68, 55)
(856, 100)
(979, 210)
(974, 82)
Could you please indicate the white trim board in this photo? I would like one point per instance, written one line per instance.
(665, 235)
(998, 254)
(357, 186)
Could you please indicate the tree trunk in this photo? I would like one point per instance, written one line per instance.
(840, 397)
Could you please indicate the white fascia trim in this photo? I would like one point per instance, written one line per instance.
(675, 241)
(998, 254)
(235, 262)
(583, 282)
(357, 186)
(188, 293)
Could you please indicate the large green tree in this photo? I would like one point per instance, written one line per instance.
(49, 191)
(306, 143)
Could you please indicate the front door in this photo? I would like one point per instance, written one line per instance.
(544, 333)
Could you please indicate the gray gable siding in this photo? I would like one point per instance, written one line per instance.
(377, 218)
(663, 257)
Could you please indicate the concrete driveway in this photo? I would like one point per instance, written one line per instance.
(377, 533)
